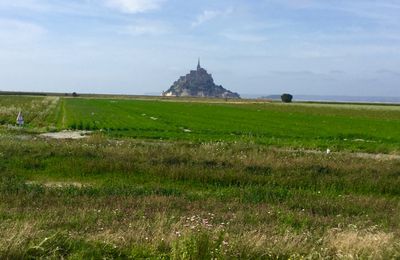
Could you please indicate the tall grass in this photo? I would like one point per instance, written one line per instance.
(226, 181)
(37, 111)
(101, 198)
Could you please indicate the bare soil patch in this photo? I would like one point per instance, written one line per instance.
(58, 184)
(374, 156)
(67, 135)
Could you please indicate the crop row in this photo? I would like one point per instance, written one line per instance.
(296, 125)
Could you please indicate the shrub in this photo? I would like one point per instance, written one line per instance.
(286, 98)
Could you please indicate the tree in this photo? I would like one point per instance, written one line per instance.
(286, 98)
(74, 94)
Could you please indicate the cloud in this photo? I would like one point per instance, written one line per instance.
(245, 37)
(32, 5)
(12, 31)
(298, 4)
(145, 28)
(209, 15)
(388, 72)
(134, 6)
(337, 72)
(296, 73)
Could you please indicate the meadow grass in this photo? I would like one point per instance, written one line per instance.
(177, 200)
(38, 112)
(354, 128)
(199, 180)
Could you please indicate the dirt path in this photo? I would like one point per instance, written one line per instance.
(64, 114)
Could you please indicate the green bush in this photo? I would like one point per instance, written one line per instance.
(287, 98)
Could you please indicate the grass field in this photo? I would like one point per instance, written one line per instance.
(235, 186)
(37, 111)
(366, 128)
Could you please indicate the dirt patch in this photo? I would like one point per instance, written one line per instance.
(379, 156)
(374, 156)
(54, 184)
(67, 135)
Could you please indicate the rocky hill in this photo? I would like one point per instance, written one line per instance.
(198, 83)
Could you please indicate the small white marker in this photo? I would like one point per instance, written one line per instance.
(328, 151)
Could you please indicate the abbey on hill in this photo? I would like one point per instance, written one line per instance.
(198, 83)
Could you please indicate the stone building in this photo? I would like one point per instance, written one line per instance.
(198, 83)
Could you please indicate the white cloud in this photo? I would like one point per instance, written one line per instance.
(146, 28)
(134, 6)
(385, 12)
(13, 31)
(32, 5)
(209, 15)
(245, 37)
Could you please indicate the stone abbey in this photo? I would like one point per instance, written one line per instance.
(198, 83)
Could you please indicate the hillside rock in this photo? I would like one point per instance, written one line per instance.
(198, 83)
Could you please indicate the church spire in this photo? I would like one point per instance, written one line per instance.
(198, 65)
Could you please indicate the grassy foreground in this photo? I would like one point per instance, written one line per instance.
(133, 199)
(204, 194)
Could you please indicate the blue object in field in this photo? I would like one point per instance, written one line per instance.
(20, 119)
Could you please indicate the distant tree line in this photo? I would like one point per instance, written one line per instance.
(17, 93)
(74, 94)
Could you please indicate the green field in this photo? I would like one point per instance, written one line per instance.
(37, 111)
(367, 128)
(246, 182)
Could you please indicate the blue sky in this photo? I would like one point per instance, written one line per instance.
(261, 47)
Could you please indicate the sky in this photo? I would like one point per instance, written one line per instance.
(253, 47)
